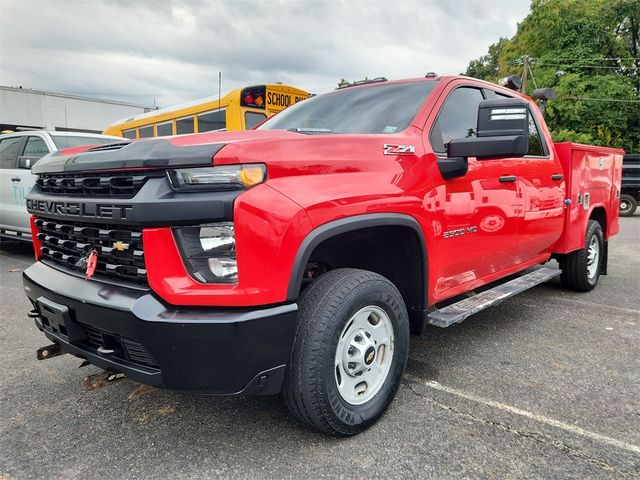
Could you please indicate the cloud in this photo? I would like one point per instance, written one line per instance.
(170, 51)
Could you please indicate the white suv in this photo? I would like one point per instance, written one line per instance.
(19, 151)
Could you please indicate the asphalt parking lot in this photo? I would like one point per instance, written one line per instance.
(546, 385)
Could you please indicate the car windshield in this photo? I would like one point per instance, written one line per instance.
(385, 108)
(68, 141)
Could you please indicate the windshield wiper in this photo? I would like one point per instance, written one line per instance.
(311, 131)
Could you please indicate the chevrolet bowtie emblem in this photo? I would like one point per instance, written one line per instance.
(120, 246)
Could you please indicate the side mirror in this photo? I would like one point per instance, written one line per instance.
(503, 131)
(452, 167)
(25, 162)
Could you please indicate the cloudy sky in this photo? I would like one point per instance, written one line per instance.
(170, 51)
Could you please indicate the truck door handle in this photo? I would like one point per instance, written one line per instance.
(557, 176)
(15, 179)
(508, 178)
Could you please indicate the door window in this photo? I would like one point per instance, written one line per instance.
(458, 118)
(35, 148)
(9, 151)
(537, 145)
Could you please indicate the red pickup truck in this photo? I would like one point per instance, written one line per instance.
(299, 256)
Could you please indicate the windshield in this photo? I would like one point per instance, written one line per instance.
(386, 108)
(68, 141)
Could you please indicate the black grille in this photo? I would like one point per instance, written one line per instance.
(118, 185)
(119, 248)
(122, 347)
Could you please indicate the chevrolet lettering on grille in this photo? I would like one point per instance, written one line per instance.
(79, 209)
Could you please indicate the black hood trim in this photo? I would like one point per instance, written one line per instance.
(155, 153)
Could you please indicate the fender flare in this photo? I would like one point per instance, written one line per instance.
(348, 224)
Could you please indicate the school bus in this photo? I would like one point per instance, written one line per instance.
(240, 109)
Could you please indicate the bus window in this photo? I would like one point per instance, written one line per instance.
(184, 125)
(146, 132)
(129, 134)
(251, 119)
(215, 120)
(164, 129)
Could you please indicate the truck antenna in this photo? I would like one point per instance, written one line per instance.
(219, 94)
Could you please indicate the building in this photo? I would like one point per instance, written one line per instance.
(23, 108)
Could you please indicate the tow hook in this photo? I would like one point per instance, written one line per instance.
(101, 379)
(33, 314)
(45, 353)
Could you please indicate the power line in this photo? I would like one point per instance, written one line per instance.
(586, 99)
(534, 61)
(576, 65)
(611, 59)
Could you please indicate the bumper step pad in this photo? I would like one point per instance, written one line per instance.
(458, 311)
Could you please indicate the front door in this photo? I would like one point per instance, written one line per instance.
(475, 216)
(34, 149)
(10, 148)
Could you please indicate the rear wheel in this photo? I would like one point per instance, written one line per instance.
(628, 205)
(581, 269)
(350, 351)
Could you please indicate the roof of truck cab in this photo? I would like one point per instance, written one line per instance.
(57, 133)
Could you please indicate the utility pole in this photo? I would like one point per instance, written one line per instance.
(525, 59)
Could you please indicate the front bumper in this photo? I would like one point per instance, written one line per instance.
(190, 349)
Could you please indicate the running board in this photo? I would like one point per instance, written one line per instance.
(457, 312)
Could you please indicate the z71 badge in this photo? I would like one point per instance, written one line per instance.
(394, 149)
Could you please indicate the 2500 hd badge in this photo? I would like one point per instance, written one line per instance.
(78, 209)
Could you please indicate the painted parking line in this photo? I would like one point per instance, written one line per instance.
(536, 417)
(588, 303)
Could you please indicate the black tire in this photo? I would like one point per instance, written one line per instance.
(310, 387)
(628, 205)
(574, 265)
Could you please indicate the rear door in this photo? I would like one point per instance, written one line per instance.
(541, 180)
(10, 149)
(541, 185)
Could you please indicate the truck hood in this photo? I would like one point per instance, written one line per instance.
(154, 153)
(196, 150)
(280, 149)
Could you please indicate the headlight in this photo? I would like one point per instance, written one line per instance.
(209, 251)
(217, 178)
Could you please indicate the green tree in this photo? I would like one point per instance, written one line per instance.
(486, 67)
(588, 51)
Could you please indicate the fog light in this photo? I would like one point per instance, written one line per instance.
(209, 252)
(224, 267)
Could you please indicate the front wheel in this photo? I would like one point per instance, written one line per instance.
(581, 269)
(349, 353)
